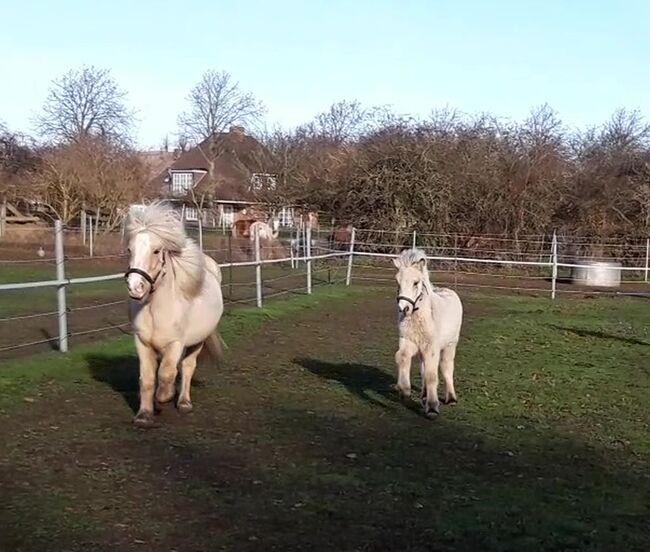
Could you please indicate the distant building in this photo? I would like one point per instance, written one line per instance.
(222, 174)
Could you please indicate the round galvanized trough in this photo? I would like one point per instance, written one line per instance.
(597, 273)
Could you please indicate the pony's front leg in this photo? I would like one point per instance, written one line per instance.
(168, 371)
(403, 358)
(431, 403)
(188, 365)
(148, 361)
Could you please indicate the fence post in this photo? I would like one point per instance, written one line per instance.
(60, 289)
(258, 270)
(348, 277)
(200, 231)
(83, 224)
(308, 248)
(230, 266)
(554, 261)
(647, 257)
(3, 218)
(91, 238)
(415, 239)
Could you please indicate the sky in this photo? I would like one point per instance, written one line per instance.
(584, 58)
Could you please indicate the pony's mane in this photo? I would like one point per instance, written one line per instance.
(415, 258)
(186, 259)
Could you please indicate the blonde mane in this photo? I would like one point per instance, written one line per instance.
(186, 260)
(416, 258)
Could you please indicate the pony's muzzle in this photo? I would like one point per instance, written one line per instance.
(404, 308)
(137, 286)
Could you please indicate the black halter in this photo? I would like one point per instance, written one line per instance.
(146, 275)
(413, 302)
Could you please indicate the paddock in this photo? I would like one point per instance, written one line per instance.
(299, 441)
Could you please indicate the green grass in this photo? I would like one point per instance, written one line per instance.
(300, 443)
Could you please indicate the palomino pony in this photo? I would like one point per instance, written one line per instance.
(429, 321)
(264, 230)
(175, 306)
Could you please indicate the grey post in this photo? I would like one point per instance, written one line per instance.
(647, 258)
(60, 289)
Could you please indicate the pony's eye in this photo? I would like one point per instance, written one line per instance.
(416, 284)
(128, 250)
(156, 252)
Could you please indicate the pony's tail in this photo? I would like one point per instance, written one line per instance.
(213, 349)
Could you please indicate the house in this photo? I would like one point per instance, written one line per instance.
(221, 177)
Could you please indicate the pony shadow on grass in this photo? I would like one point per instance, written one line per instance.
(122, 373)
(362, 380)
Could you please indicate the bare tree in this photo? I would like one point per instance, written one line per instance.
(216, 102)
(84, 102)
(343, 121)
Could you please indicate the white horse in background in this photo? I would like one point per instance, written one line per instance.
(429, 322)
(264, 230)
(175, 306)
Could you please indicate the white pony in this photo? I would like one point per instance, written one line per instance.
(264, 230)
(175, 305)
(429, 322)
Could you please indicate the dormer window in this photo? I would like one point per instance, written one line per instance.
(262, 181)
(182, 182)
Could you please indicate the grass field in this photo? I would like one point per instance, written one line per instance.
(298, 441)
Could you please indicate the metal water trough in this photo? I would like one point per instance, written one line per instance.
(597, 273)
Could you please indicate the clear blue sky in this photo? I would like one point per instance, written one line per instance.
(585, 58)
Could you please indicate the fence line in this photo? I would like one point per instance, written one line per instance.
(303, 250)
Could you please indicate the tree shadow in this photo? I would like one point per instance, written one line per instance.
(361, 380)
(583, 332)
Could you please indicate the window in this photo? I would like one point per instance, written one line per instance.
(262, 181)
(227, 215)
(182, 182)
(285, 216)
(191, 214)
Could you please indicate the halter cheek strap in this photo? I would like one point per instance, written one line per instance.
(146, 275)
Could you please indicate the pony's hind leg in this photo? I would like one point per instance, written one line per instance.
(188, 365)
(168, 371)
(403, 358)
(447, 368)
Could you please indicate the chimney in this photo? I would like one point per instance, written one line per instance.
(237, 132)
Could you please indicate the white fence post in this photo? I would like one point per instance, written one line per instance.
(83, 225)
(415, 239)
(258, 270)
(60, 289)
(554, 260)
(647, 257)
(91, 239)
(308, 248)
(200, 231)
(348, 277)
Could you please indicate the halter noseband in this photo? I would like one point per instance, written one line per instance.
(146, 275)
(413, 302)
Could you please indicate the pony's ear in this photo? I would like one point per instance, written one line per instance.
(421, 264)
(397, 263)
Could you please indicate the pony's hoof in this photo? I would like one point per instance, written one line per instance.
(403, 393)
(431, 411)
(185, 407)
(451, 401)
(143, 419)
